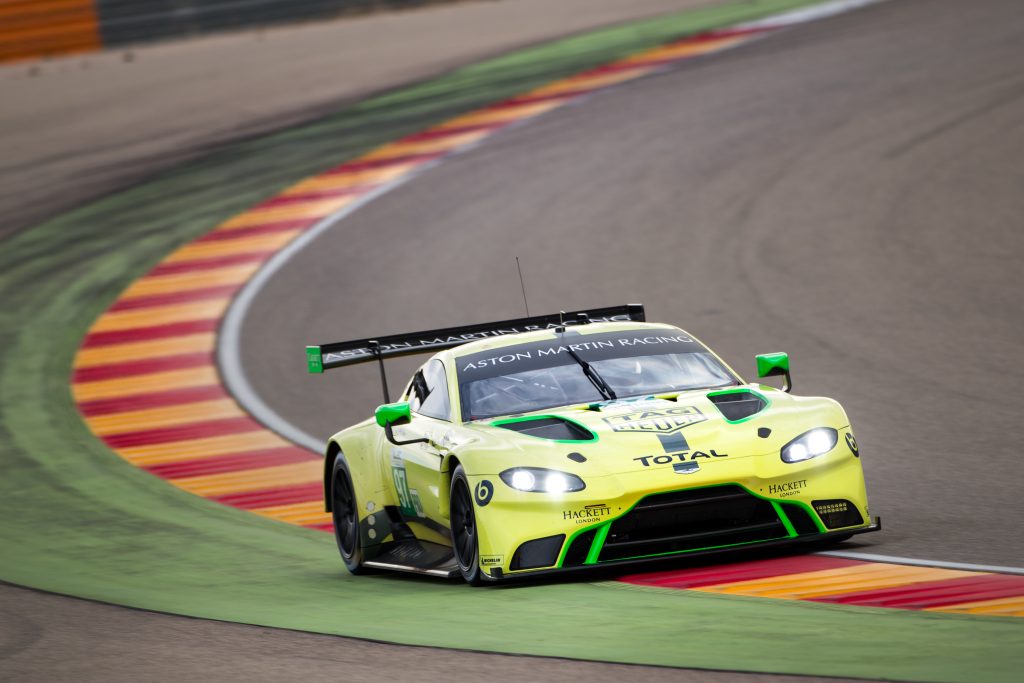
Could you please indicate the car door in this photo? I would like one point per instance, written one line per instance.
(417, 467)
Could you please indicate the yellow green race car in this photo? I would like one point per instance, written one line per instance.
(568, 441)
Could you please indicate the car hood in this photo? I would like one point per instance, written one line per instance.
(629, 430)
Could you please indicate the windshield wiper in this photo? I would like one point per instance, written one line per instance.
(595, 379)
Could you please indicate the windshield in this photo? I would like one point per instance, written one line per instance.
(521, 379)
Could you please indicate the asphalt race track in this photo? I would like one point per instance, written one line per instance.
(128, 645)
(847, 191)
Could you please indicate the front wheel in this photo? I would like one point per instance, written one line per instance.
(465, 537)
(345, 512)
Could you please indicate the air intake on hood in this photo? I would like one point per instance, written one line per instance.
(738, 405)
(554, 428)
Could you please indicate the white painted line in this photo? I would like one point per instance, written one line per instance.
(890, 559)
(813, 13)
(229, 342)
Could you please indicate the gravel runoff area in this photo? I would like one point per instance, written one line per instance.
(75, 128)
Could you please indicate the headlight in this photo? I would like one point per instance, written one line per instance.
(539, 480)
(810, 445)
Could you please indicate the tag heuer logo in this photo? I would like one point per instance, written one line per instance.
(664, 421)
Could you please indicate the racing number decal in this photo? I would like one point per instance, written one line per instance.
(405, 499)
(402, 489)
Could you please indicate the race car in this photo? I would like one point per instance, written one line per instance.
(575, 440)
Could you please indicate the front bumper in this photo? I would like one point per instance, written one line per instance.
(875, 525)
(650, 514)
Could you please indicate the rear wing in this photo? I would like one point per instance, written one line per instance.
(339, 354)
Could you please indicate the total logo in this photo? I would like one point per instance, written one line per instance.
(685, 456)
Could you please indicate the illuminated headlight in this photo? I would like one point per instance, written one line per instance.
(539, 480)
(810, 445)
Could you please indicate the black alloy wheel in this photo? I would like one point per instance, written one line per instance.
(464, 529)
(345, 513)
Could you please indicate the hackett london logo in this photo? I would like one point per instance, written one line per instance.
(663, 421)
(587, 514)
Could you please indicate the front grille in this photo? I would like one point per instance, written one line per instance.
(800, 519)
(692, 520)
(578, 550)
(540, 552)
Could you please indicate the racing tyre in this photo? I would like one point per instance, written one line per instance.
(465, 537)
(345, 512)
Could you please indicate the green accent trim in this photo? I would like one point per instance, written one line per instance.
(741, 390)
(598, 543)
(776, 505)
(814, 515)
(772, 364)
(529, 418)
(393, 413)
(314, 360)
(785, 520)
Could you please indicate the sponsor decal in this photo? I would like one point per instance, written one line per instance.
(688, 467)
(587, 514)
(405, 498)
(673, 442)
(483, 493)
(428, 342)
(852, 443)
(662, 421)
(526, 354)
(787, 488)
(651, 460)
(417, 506)
(491, 560)
(551, 353)
(408, 499)
(628, 405)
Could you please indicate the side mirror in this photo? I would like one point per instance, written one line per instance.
(775, 365)
(391, 414)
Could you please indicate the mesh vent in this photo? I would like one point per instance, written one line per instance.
(838, 513)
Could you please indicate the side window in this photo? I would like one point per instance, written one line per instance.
(434, 383)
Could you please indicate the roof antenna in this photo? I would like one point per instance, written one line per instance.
(523, 286)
